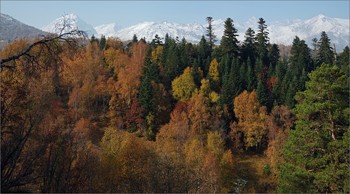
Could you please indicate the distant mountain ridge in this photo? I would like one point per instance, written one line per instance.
(12, 29)
(279, 32)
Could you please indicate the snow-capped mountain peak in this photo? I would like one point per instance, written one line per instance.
(280, 32)
(108, 30)
(148, 30)
(68, 23)
(336, 29)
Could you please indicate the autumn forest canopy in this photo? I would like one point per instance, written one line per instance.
(99, 115)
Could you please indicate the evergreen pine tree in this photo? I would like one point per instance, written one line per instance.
(249, 47)
(325, 52)
(134, 39)
(300, 64)
(314, 48)
(210, 33)
(172, 64)
(262, 94)
(204, 55)
(242, 78)
(195, 73)
(274, 56)
(262, 42)
(277, 91)
(146, 97)
(93, 39)
(102, 43)
(291, 91)
(229, 42)
(316, 152)
(300, 57)
(230, 86)
(251, 79)
(183, 55)
(344, 60)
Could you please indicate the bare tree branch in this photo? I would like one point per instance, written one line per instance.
(63, 37)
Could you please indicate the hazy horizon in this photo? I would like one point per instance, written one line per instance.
(132, 12)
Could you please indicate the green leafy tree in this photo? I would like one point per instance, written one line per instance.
(183, 86)
(316, 153)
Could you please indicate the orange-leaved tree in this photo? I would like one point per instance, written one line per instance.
(251, 119)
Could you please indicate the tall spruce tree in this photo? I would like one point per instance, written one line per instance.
(146, 92)
(325, 52)
(230, 85)
(263, 94)
(204, 55)
(172, 64)
(229, 42)
(251, 78)
(300, 64)
(249, 47)
(102, 43)
(262, 42)
(134, 39)
(210, 32)
(274, 56)
(196, 73)
(249, 55)
(277, 91)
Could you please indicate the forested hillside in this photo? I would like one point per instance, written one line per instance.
(97, 115)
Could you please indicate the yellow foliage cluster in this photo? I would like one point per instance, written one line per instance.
(214, 70)
(183, 86)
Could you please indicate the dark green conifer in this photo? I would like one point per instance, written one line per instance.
(316, 152)
(325, 52)
(262, 42)
(229, 42)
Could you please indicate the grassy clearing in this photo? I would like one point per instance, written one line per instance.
(250, 167)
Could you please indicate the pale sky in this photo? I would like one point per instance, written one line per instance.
(126, 13)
